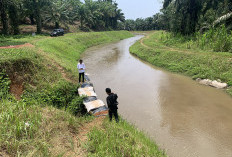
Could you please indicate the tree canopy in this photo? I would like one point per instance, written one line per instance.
(186, 16)
(95, 15)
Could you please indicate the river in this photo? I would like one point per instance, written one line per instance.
(184, 118)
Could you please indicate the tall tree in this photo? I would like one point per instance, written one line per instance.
(37, 4)
(4, 18)
(13, 15)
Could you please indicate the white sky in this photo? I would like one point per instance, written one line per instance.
(139, 8)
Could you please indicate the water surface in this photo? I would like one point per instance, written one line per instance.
(184, 118)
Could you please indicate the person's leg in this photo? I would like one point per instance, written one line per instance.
(79, 77)
(116, 116)
(110, 115)
(83, 77)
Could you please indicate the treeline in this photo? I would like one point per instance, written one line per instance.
(95, 15)
(140, 24)
(186, 17)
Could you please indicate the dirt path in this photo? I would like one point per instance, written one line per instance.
(142, 42)
(17, 46)
(82, 137)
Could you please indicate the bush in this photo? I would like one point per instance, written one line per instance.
(62, 95)
(76, 106)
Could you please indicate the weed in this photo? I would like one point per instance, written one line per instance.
(4, 84)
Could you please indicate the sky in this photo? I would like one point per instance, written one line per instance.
(139, 8)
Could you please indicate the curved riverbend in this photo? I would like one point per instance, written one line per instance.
(183, 117)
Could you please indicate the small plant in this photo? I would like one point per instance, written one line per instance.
(76, 106)
(4, 84)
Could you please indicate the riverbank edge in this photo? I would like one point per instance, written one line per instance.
(172, 61)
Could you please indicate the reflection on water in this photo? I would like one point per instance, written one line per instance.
(185, 118)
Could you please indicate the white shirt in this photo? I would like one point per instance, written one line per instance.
(81, 67)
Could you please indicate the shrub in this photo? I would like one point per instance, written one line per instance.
(4, 84)
(76, 106)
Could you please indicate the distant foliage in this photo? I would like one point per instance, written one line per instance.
(151, 23)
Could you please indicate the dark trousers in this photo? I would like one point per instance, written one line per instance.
(115, 113)
(81, 76)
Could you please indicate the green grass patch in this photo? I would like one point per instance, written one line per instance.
(120, 139)
(18, 39)
(193, 63)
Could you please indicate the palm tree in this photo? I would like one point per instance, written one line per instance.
(81, 14)
(58, 13)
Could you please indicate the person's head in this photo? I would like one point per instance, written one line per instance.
(81, 61)
(108, 91)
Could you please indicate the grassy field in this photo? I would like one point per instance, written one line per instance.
(48, 118)
(183, 58)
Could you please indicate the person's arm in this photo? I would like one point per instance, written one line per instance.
(108, 101)
(83, 66)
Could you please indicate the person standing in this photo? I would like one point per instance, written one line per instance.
(112, 104)
(81, 69)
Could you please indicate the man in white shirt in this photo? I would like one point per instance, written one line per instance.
(81, 69)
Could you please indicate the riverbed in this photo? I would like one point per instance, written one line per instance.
(185, 119)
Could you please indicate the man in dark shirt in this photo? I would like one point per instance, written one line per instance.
(112, 104)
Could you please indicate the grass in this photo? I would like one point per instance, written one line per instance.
(18, 39)
(120, 139)
(191, 62)
(32, 130)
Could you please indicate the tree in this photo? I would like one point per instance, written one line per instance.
(58, 13)
(38, 6)
(4, 19)
(13, 15)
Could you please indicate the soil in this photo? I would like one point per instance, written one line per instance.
(3, 153)
(16, 87)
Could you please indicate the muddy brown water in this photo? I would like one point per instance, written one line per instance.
(184, 118)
